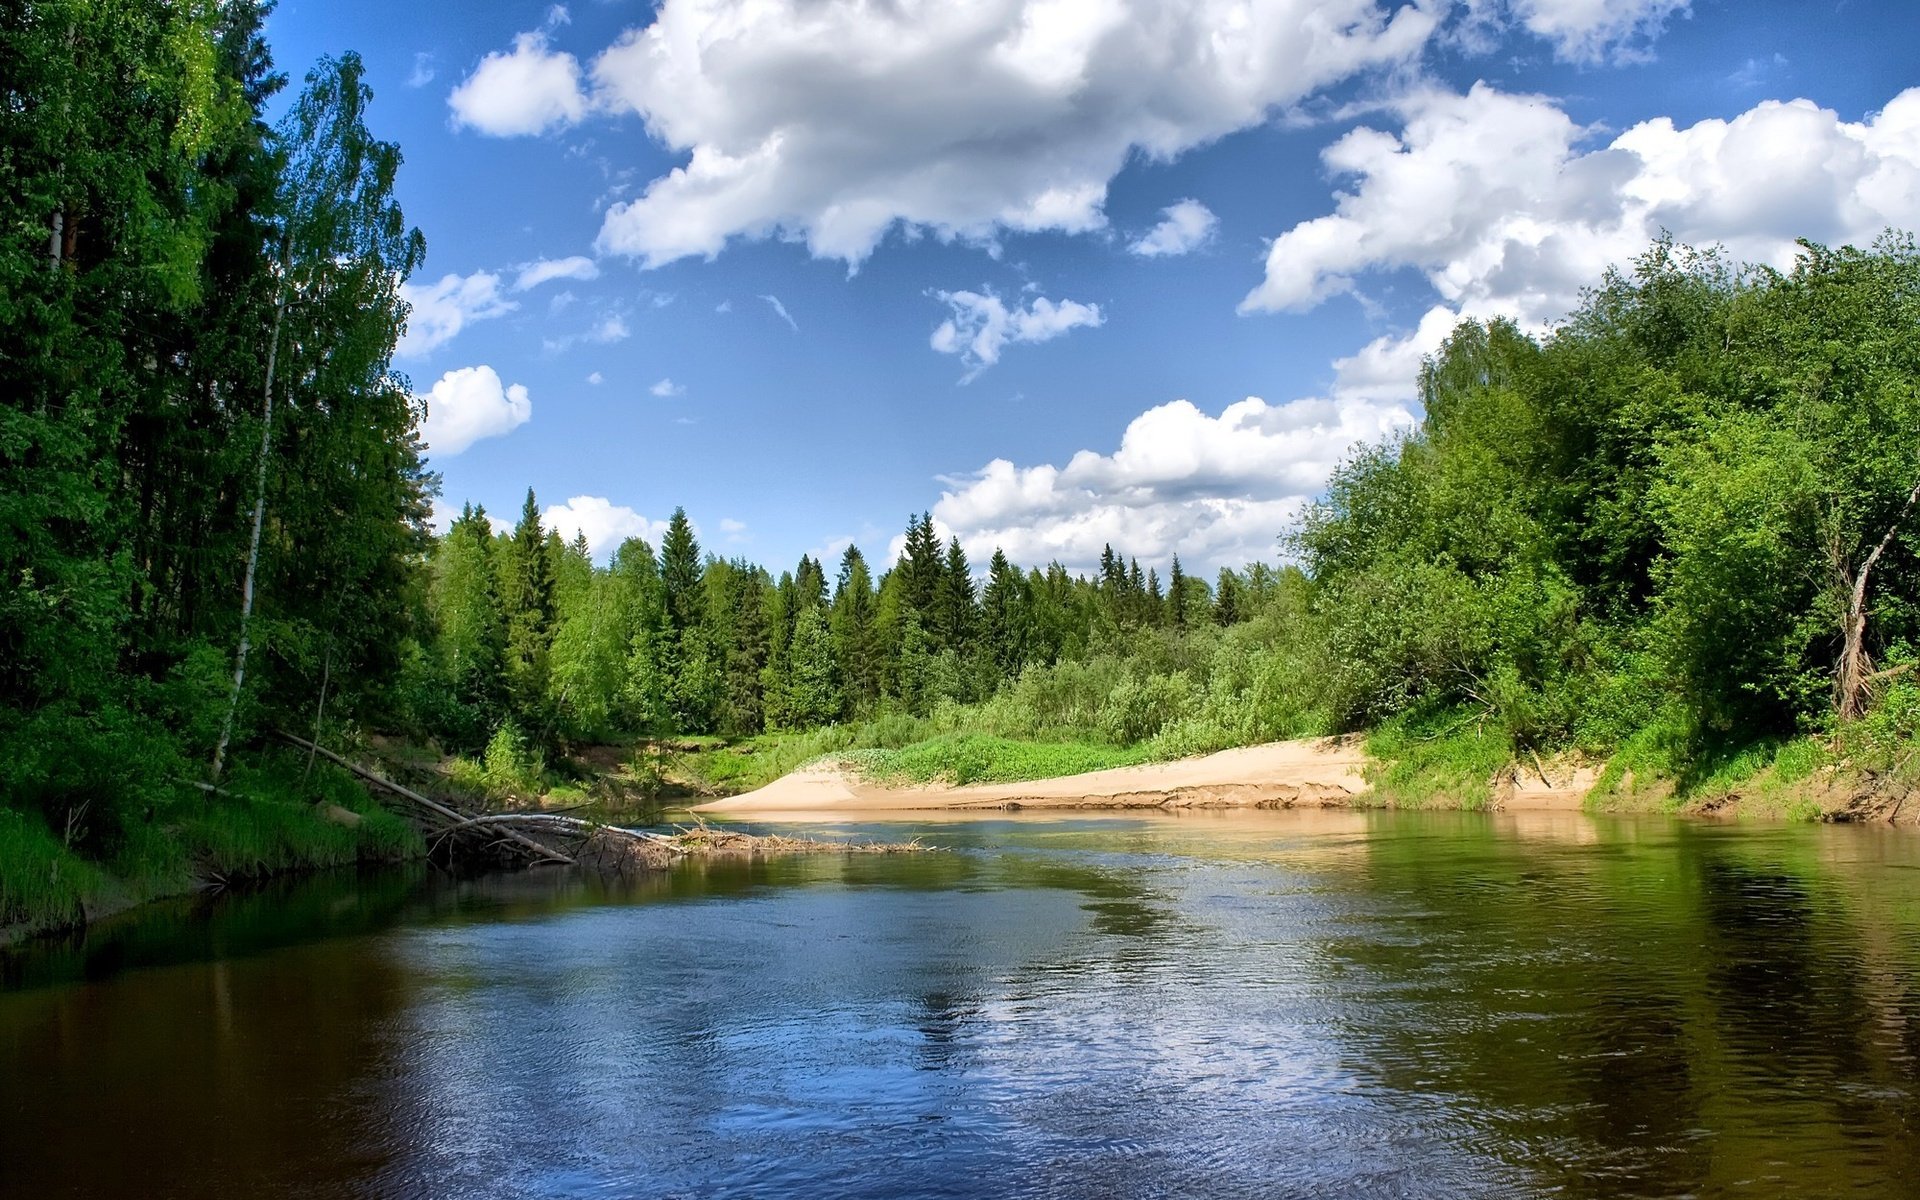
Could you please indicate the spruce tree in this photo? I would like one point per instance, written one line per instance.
(1226, 604)
(954, 606)
(851, 623)
(680, 571)
(528, 604)
(1177, 594)
(1004, 615)
(920, 568)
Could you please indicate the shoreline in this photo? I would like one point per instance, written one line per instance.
(1307, 773)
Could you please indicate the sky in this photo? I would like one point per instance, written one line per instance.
(1066, 273)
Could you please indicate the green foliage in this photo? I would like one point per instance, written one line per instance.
(1438, 755)
(977, 758)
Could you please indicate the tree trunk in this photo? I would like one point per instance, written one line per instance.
(253, 547)
(319, 711)
(1854, 673)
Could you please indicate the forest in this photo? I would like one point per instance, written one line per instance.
(1674, 532)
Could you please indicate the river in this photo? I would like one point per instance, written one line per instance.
(1212, 1005)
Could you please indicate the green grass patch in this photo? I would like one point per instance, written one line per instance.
(272, 818)
(1438, 759)
(42, 883)
(979, 758)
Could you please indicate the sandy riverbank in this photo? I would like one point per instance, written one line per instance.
(1307, 773)
(1313, 773)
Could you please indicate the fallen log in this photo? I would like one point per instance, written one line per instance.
(427, 804)
(589, 842)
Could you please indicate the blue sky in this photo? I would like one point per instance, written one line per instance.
(1065, 272)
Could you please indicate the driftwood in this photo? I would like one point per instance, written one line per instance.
(431, 812)
(555, 837)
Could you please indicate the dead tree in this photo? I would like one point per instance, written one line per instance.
(1853, 675)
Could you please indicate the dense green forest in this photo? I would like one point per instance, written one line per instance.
(212, 503)
(1677, 526)
(1676, 532)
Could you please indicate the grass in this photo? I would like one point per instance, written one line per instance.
(272, 819)
(897, 748)
(979, 758)
(1437, 759)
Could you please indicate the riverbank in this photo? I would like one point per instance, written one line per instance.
(1329, 773)
(266, 822)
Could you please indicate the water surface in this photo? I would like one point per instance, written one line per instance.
(1211, 1005)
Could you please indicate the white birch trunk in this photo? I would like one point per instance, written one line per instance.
(253, 547)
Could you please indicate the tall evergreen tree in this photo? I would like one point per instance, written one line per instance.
(680, 571)
(852, 624)
(920, 568)
(1004, 615)
(954, 602)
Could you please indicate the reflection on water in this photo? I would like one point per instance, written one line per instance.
(1224, 1005)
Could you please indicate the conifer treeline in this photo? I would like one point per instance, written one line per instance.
(530, 632)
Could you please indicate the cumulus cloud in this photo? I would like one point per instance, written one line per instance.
(470, 404)
(667, 388)
(596, 379)
(1491, 196)
(527, 90)
(605, 523)
(832, 123)
(1188, 226)
(1216, 490)
(546, 270)
(982, 325)
(441, 310)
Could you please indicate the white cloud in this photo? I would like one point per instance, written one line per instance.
(667, 388)
(1592, 30)
(605, 523)
(834, 122)
(441, 310)
(527, 90)
(610, 328)
(596, 379)
(1189, 225)
(725, 306)
(1491, 197)
(735, 531)
(423, 72)
(1213, 489)
(470, 404)
(545, 270)
(982, 325)
(781, 310)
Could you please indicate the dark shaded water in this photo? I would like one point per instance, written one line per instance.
(1258, 1005)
